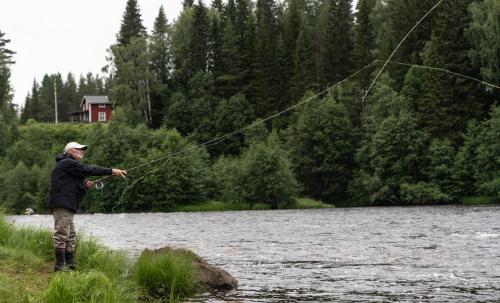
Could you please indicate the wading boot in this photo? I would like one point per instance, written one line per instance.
(59, 261)
(70, 260)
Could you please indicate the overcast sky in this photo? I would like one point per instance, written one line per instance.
(64, 36)
(61, 36)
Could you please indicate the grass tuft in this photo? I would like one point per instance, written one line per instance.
(165, 275)
(479, 200)
(89, 287)
(90, 254)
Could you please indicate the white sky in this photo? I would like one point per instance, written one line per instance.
(64, 36)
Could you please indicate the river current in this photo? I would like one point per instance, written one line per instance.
(383, 254)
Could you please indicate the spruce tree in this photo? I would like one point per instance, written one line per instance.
(198, 43)
(187, 3)
(131, 24)
(401, 16)
(363, 42)
(448, 102)
(5, 60)
(266, 83)
(303, 66)
(338, 42)
(161, 66)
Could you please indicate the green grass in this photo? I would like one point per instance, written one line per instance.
(305, 203)
(479, 200)
(103, 275)
(92, 287)
(90, 254)
(299, 203)
(11, 291)
(166, 275)
(214, 206)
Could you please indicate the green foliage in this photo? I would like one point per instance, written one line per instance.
(262, 175)
(165, 275)
(160, 186)
(91, 255)
(131, 26)
(390, 156)
(447, 101)
(422, 193)
(132, 79)
(484, 33)
(440, 171)
(338, 41)
(232, 114)
(487, 164)
(160, 46)
(322, 144)
(12, 292)
(91, 287)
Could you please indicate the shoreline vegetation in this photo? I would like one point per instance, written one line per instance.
(263, 176)
(103, 275)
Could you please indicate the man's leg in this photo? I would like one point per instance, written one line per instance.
(70, 246)
(62, 220)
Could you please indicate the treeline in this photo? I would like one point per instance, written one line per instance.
(420, 136)
(39, 103)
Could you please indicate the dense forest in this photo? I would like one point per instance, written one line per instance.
(292, 80)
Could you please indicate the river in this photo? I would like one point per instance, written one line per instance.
(378, 254)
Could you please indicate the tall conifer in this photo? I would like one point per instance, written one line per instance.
(266, 84)
(131, 24)
(338, 41)
(446, 101)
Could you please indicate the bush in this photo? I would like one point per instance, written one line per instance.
(422, 193)
(83, 287)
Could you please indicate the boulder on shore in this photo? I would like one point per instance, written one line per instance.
(208, 277)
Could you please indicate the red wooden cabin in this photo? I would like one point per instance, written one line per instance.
(94, 109)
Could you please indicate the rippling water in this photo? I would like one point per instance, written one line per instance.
(396, 254)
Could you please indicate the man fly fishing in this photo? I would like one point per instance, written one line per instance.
(67, 189)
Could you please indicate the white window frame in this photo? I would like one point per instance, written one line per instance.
(102, 118)
(102, 105)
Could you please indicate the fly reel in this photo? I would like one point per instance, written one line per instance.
(99, 185)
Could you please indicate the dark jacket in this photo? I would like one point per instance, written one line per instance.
(67, 182)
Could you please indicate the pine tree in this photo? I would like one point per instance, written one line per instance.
(303, 66)
(67, 99)
(218, 6)
(215, 41)
(401, 16)
(363, 43)
(131, 24)
(338, 42)
(161, 66)
(293, 24)
(5, 60)
(266, 84)
(245, 29)
(447, 101)
(188, 3)
(199, 39)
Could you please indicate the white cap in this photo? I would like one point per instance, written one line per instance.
(71, 145)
